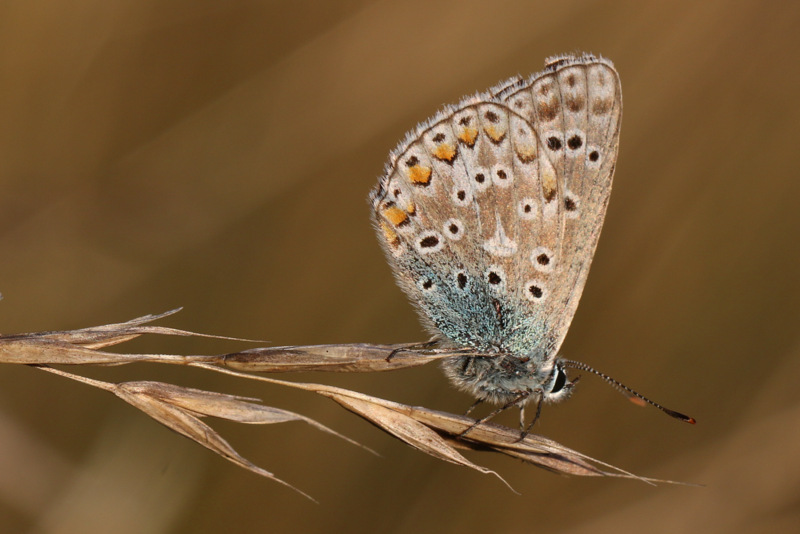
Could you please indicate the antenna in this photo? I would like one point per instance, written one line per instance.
(633, 396)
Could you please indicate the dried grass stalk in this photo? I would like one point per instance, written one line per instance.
(438, 434)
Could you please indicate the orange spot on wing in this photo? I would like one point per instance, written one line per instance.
(526, 153)
(468, 136)
(494, 134)
(389, 234)
(549, 186)
(445, 152)
(395, 215)
(419, 174)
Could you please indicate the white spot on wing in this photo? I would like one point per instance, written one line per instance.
(543, 259)
(454, 229)
(533, 288)
(429, 242)
(526, 208)
(500, 244)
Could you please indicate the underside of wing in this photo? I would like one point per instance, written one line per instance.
(575, 106)
(490, 212)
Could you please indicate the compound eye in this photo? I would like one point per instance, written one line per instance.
(560, 381)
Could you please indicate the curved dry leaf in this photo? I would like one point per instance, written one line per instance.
(111, 334)
(348, 357)
(224, 406)
(533, 449)
(115, 333)
(409, 431)
(183, 422)
(142, 395)
(538, 450)
(386, 415)
(449, 428)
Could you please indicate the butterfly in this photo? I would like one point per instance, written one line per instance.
(489, 214)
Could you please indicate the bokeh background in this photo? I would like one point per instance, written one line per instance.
(217, 156)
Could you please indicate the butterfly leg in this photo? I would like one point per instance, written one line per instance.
(411, 347)
(519, 398)
(473, 406)
(527, 430)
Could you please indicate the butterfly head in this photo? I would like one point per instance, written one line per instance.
(509, 378)
(557, 386)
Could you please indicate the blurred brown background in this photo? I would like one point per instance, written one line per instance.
(217, 156)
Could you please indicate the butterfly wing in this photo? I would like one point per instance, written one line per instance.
(490, 212)
(575, 107)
